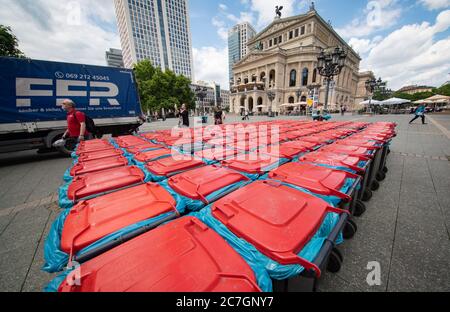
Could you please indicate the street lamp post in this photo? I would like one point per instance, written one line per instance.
(329, 65)
(201, 94)
(299, 94)
(373, 85)
(313, 91)
(271, 95)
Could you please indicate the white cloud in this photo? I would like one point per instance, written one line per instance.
(362, 46)
(265, 9)
(55, 31)
(411, 54)
(378, 15)
(436, 4)
(211, 64)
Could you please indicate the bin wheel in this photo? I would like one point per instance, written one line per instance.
(381, 176)
(385, 169)
(350, 229)
(367, 195)
(359, 209)
(334, 261)
(389, 151)
(375, 185)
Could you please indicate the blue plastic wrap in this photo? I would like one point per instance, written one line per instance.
(256, 176)
(194, 204)
(64, 201)
(56, 259)
(53, 286)
(257, 260)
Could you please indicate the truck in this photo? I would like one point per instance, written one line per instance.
(31, 93)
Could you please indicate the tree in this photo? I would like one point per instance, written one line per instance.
(444, 90)
(158, 89)
(9, 43)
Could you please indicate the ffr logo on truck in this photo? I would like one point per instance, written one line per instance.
(28, 87)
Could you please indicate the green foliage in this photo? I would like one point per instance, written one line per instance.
(444, 90)
(379, 96)
(9, 43)
(158, 89)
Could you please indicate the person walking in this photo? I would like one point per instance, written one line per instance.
(246, 115)
(218, 116)
(183, 114)
(76, 123)
(420, 113)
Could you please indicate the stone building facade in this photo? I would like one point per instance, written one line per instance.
(283, 59)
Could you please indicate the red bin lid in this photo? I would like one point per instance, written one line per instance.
(172, 165)
(98, 165)
(199, 183)
(301, 145)
(93, 143)
(349, 150)
(99, 155)
(93, 148)
(181, 256)
(316, 139)
(334, 160)
(253, 163)
(152, 155)
(140, 147)
(104, 181)
(319, 180)
(278, 220)
(360, 143)
(217, 153)
(130, 141)
(96, 218)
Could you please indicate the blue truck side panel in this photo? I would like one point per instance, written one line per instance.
(30, 90)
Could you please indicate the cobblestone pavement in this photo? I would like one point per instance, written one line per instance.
(405, 228)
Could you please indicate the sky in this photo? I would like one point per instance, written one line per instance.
(403, 41)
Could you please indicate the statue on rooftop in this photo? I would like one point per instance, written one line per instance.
(278, 11)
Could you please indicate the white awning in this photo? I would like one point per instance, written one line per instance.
(373, 102)
(395, 101)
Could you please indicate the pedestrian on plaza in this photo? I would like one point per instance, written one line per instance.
(76, 123)
(342, 110)
(183, 115)
(246, 115)
(218, 116)
(420, 113)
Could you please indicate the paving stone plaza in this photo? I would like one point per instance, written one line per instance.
(405, 228)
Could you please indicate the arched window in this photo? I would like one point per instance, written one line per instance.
(291, 100)
(272, 76)
(303, 99)
(314, 75)
(305, 74)
(293, 78)
(262, 76)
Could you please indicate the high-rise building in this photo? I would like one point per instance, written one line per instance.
(238, 36)
(114, 58)
(158, 30)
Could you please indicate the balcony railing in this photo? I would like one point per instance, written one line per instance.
(251, 86)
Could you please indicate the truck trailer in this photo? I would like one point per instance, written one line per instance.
(31, 93)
